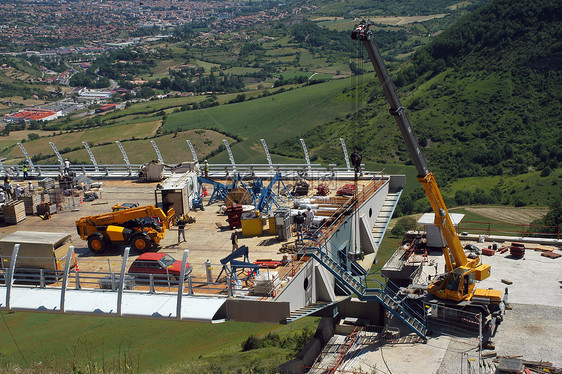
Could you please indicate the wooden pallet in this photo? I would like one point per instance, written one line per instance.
(14, 212)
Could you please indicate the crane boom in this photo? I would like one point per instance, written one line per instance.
(461, 272)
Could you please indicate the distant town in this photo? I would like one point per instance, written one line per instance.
(97, 23)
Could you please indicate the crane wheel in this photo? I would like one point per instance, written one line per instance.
(96, 243)
(141, 243)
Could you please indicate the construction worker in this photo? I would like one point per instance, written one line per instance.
(356, 162)
(299, 221)
(309, 217)
(24, 169)
(18, 191)
(8, 188)
(66, 166)
(206, 168)
(181, 228)
(234, 240)
(30, 186)
(2, 197)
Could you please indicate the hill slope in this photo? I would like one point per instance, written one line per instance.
(483, 98)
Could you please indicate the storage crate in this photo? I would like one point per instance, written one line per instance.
(56, 196)
(46, 207)
(14, 212)
(31, 201)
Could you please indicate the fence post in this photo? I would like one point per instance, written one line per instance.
(77, 280)
(151, 280)
(42, 278)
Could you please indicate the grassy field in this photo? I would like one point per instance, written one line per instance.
(129, 345)
(93, 136)
(174, 149)
(267, 117)
(527, 189)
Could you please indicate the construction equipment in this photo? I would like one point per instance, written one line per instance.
(233, 268)
(152, 171)
(457, 284)
(142, 227)
(268, 197)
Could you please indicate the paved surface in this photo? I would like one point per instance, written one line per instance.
(536, 279)
(204, 239)
(533, 331)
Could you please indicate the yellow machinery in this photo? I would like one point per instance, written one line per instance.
(141, 227)
(458, 283)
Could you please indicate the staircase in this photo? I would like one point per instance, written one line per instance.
(383, 219)
(308, 310)
(384, 296)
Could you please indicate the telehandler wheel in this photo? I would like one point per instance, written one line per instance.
(141, 243)
(96, 243)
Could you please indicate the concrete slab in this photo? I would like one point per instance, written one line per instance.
(533, 331)
(536, 279)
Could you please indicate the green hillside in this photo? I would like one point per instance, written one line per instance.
(483, 98)
(273, 118)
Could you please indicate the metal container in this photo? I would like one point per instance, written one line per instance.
(283, 223)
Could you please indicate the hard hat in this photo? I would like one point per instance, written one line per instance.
(205, 161)
(30, 182)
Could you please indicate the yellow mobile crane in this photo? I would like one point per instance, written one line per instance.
(142, 227)
(458, 283)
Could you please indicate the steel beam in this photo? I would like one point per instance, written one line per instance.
(230, 155)
(306, 155)
(92, 158)
(158, 154)
(192, 151)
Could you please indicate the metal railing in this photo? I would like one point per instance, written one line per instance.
(220, 171)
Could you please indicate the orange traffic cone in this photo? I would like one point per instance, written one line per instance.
(81, 201)
(77, 268)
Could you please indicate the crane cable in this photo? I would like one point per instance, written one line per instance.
(356, 109)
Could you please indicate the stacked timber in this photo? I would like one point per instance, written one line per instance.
(31, 200)
(14, 212)
(517, 250)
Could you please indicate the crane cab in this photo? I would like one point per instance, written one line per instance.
(459, 284)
